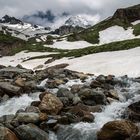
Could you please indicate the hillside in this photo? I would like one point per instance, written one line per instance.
(122, 17)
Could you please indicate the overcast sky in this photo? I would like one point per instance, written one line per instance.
(103, 8)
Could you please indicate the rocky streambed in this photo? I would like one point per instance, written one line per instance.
(60, 104)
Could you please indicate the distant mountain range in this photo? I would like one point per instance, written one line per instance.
(81, 25)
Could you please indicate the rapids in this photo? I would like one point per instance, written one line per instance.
(81, 131)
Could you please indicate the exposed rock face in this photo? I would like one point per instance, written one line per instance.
(31, 132)
(63, 30)
(128, 14)
(6, 47)
(117, 130)
(7, 134)
(51, 104)
(11, 20)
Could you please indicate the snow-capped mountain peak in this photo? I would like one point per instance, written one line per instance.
(81, 21)
(10, 20)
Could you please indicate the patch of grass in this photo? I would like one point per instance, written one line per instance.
(115, 46)
(136, 28)
(4, 38)
(38, 47)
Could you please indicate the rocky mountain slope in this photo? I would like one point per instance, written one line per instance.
(20, 29)
(122, 17)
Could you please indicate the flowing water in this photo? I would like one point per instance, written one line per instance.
(81, 131)
(12, 105)
(113, 111)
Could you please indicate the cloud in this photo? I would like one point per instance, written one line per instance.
(103, 8)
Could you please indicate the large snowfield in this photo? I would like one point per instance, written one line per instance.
(118, 63)
(20, 58)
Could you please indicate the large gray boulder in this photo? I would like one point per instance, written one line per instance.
(92, 96)
(10, 89)
(31, 132)
(117, 130)
(11, 72)
(27, 117)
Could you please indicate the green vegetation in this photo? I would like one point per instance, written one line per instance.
(8, 38)
(115, 46)
(49, 40)
(136, 29)
(38, 47)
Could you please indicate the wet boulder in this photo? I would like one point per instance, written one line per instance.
(51, 104)
(20, 82)
(65, 96)
(27, 117)
(10, 89)
(64, 92)
(92, 97)
(7, 134)
(79, 113)
(134, 112)
(117, 130)
(11, 72)
(31, 132)
(76, 88)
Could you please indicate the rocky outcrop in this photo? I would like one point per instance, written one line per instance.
(128, 14)
(64, 30)
(10, 20)
(12, 43)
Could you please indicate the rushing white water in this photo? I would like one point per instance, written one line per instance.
(114, 111)
(11, 106)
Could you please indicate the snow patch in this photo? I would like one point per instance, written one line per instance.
(136, 22)
(116, 33)
(70, 45)
(19, 58)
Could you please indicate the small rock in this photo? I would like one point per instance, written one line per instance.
(20, 82)
(32, 109)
